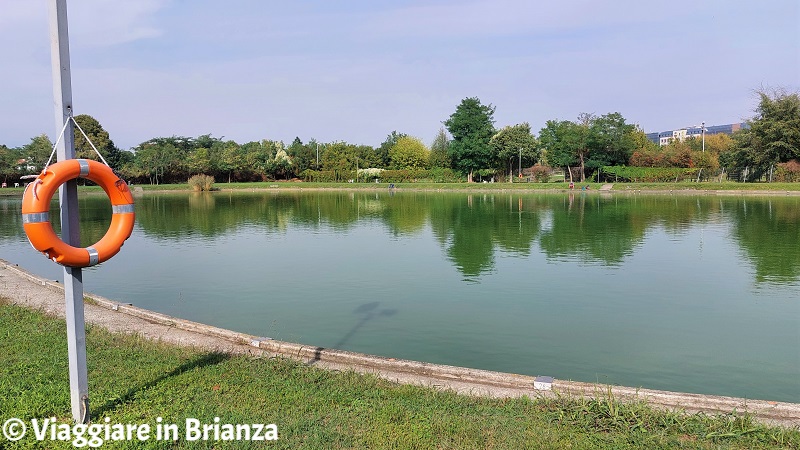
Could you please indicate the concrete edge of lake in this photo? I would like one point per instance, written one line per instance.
(24, 288)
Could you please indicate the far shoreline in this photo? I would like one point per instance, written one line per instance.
(712, 189)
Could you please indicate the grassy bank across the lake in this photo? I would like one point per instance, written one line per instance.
(135, 380)
(681, 187)
(705, 187)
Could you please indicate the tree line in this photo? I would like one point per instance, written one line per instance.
(468, 146)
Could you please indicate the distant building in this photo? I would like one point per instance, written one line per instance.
(665, 137)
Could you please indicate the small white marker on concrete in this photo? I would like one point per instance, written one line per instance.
(543, 383)
(257, 342)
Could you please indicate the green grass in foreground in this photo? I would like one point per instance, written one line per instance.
(132, 380)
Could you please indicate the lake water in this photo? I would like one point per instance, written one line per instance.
(682, 293)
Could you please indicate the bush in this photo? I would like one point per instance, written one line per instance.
(788, 172)
(649, 174)
(201, 182)
(435, 175)
(540, 173)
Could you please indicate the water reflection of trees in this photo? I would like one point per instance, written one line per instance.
(470, 228)
(768, 232)
(11, 218)
(608, 229)
(95, 218)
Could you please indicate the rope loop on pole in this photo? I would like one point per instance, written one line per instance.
(70, 118)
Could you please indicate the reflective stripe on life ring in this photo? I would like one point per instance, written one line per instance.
(36, 213)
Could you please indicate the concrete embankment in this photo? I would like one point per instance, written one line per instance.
(24, 288)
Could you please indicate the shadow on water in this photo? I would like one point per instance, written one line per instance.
(204, 360)
(368, 312)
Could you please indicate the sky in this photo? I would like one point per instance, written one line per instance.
(357, 70)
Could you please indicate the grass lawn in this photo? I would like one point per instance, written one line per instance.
(555, 186)
(132, 380)
(776, 188)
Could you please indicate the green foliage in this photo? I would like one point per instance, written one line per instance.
(435, 175)
(511, 143)
(160, 159)
(649, 174)
(409, 153)
(590, 143)
(339, 157)
(201, 182)
(99, 138)
(773, 136)
(611, 140)
(564, 142)
(304, 156)
(472, 127)
(8, 163)
(37, 151)
(439, 149)
(444, 175)
(382, 152)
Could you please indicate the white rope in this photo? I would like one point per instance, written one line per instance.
(89, 141)
(60, 135)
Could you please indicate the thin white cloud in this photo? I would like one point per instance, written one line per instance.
(101, 23)
(503, 17)
(355, 71)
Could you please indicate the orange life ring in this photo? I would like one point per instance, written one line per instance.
(36, 213)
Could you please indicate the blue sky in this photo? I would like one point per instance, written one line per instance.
(357, 70)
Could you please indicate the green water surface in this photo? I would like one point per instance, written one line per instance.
(695, 294)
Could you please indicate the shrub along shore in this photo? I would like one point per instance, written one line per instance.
(681, 187)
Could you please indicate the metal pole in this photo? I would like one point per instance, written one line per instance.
(68, 199)
(703, 132)
(520, 161)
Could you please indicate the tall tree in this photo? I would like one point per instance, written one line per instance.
(99, 138)
(339, 157)
(409, 153)
(472, 126)
(773, 136)
(8, 162)
(303, 156)
(439, 148)
(611, 141)
(158, 159)
(37, 151)
(514, 144)
(367, 156)
(231, 159)
(383, 151)
(566, 145)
